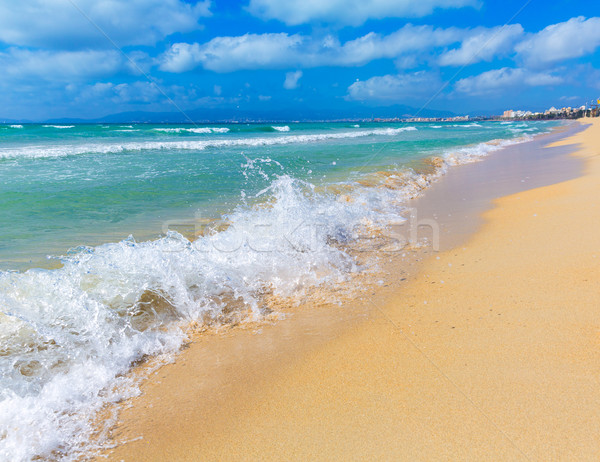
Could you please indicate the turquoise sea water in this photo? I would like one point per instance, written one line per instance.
(63, 186)
(129, 216)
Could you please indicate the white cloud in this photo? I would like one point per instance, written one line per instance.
(59, 24)
(291, 80)
(54, 66)
(498, 80)
(571, 39)
(181, 57)
(393, 89)
(226, 54)
(409, 46)
(272, 51)
(347, 12)
(405, 40)
(483, 45)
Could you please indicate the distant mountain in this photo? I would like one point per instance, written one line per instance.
(228, 114)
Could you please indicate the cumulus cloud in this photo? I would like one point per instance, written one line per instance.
(498, 80)
(483, 45)
(409, 46)
(226, 54)
(393, 89)
(405, 40)
(347, 12)
(276, 51)
(54, 66)
(291, 80)
(571, 39)
(59, 24)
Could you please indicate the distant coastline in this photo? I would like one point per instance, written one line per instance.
(552, 113)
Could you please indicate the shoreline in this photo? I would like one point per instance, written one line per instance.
(244, 403)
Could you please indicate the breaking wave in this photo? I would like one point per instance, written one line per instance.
(198, 145)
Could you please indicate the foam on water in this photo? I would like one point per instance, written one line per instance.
(59, 126)
(284, 128)
(193, 130)
(68, 336)
(197, 145)
(473, 124)
(473, 153)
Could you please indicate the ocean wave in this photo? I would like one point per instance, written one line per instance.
(521, 130)
(58, 126)
(197, 145)
(477, 152)
(15, 126)
(70, 334)
(193, 130)
(282, 128)
(473, 124)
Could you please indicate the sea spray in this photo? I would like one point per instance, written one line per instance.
(69, 336)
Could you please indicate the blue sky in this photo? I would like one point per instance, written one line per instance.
(90, 58)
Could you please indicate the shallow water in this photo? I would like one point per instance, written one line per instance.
(219, 219)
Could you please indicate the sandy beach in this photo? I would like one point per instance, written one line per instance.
(487, 352)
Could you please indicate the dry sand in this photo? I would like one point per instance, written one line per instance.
(491, 353)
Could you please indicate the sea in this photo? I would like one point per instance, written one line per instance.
(115, 238)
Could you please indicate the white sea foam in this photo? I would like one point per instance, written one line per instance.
(108, 148)
(68, 335)
(16, 126)
(467, 125)
(477, 152)
(283, 128)
(521, 130)
(193, 130)
(59, 126)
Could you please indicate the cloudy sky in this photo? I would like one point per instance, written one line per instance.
(90, 58)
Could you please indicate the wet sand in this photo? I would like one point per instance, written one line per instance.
(487, 350)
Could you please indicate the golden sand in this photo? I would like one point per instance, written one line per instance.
(491, 353)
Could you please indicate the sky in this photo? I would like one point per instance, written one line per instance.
(90, 58)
